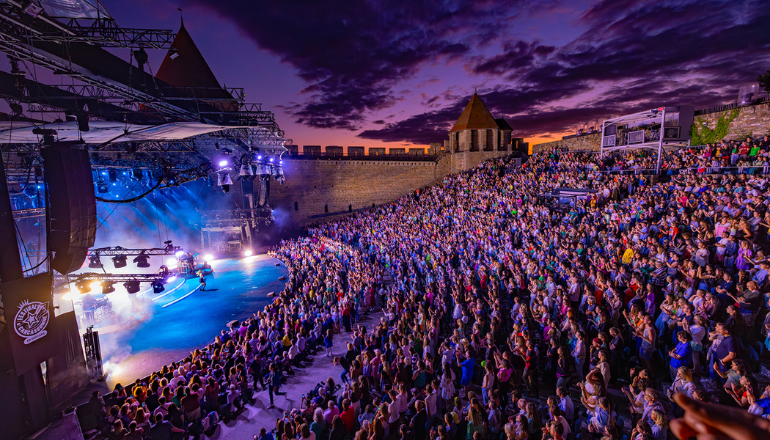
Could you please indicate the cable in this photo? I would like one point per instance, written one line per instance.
(39, 264)
(23, 245)
(132, 199)
(119, 202)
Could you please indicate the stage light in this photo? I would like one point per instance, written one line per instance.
(94, 262)
(179, 253)
(259, 157)
(271, 159)
(142, 261)
(171, 279)
(96, 285)
(208, 257)
(131, 286)
(171, 262)
(262, 169)
(246, 171)
(163, 271)
(119, 261)
(108, 286)
(157, 286)
(83, 286)
(248, 253)
(222, 163)
(224, 181)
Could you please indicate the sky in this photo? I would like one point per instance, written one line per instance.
(399, 73)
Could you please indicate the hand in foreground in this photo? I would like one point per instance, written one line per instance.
(708, 421)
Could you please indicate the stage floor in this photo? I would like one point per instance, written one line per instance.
(237, 289)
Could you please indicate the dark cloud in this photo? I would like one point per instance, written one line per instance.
(356, 56)
(516, 56)
(633, 55)
(351, 52)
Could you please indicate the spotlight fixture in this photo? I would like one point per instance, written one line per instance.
(222, 163)
(179, 254)
(83, 286)
(163, 271)
(119, 261)
(94, 262)
(248, 253)
(224, 180)
(246, 171)
(108, 286)
(142, 261)
(262, 169)
(131, 286)
(157, 286)
(208, 257)
(173, 53)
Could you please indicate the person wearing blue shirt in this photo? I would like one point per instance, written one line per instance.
(264, 434)
(467, 369)
(681, 355)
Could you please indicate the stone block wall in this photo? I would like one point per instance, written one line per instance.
(325, 188)
(752, 121)
(586, 142)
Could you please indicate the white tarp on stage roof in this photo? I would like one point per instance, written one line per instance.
(102, 132)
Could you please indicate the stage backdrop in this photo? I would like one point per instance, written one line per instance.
(30, 318)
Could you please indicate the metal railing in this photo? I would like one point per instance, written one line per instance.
(725, 107)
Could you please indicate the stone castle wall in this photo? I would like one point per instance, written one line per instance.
(752, 120)
(326, 188)
(586, 142)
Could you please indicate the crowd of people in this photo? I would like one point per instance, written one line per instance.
(505, 314)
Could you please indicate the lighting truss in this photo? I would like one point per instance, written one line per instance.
(117, 278)
(237, 217)
(28, 213)
(117, 250)
(46, 41)
(102, 31)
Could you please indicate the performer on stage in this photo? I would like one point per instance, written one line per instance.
(202, 279)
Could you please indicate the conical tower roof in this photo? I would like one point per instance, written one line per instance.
(475, 117)
(188, 68)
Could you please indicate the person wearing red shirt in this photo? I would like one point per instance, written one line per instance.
(349, 415)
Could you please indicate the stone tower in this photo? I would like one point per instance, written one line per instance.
(477, 130)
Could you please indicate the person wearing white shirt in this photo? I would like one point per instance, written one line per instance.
(579, 354)
(565, 403)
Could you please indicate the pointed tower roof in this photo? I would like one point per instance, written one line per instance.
(187, 68)
(475, 116)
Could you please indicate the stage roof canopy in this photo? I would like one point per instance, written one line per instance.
(102, 132)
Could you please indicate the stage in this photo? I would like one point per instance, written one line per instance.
(157, 329)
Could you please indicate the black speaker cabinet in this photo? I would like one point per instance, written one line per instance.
(71, 205)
